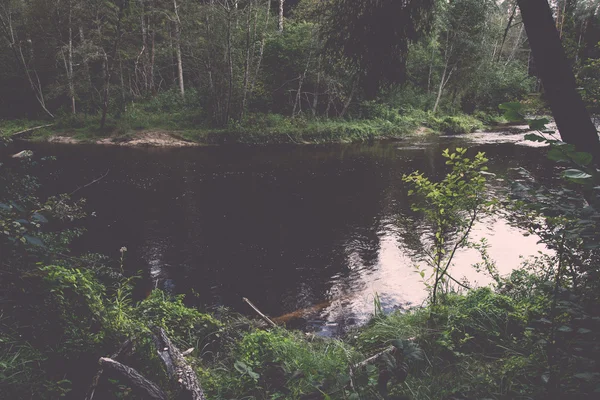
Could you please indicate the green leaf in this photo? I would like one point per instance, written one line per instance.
(33, 240)
(576, 175)
(538, 124)
(39, 218)
(587, 376)
(513, 116)
(556, 154)
(534, 137)
(581, 158)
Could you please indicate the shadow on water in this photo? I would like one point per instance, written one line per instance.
(290, 227)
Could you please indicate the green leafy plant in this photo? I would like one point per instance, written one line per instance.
(451, 207)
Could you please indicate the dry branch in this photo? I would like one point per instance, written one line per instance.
(263, 316)
(90, 183)
(30, 130)
(150, 389)
(90, 393)
(177, 368)
(374, 357)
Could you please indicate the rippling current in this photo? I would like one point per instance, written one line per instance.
(315, 231)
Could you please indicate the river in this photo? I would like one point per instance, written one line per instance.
(321, 228)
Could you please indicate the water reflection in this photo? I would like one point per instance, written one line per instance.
(292, 227)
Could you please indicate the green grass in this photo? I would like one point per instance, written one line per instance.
(255, 128)
(12, 126)
(475, 346)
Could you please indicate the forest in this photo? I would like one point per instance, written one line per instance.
(274, 71)
(368, 105)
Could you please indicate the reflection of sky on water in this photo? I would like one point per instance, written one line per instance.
(396, 281)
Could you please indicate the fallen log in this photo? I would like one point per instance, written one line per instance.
(150, 389)
(177, 368)
(92, 389)
(30, 130)
(263, 316)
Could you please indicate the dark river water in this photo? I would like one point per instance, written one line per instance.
(319, 228)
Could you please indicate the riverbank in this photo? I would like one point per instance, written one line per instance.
(473, 346)
(166, 130)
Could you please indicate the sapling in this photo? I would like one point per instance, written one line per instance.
(451, 207)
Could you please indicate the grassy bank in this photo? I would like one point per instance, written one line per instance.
(478, 345)
(188, 126)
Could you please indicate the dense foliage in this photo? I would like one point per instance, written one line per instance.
(193, 67)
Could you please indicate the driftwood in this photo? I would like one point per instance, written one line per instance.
(30, 130)
(150, 389)
(23, 154)
(90, 393)
(177, 368)
(263, 316)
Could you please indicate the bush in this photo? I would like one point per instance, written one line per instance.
(273, 358)
(187, 325)
(459, 124)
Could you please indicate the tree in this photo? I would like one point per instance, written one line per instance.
(22, 48)
(374, 36)
(461, 40)
(110, 61)
(572, 118)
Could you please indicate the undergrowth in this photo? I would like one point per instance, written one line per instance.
(185, 119)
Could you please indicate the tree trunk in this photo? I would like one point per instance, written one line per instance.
(247, 63)
(144, 52)
(229, 50)
(441, 88)
(280, 23)
(508, 26)
(262, 48)
(70, 68)
(108, 62)
(14, 43)
(177, 368)
(88, 75)
(315, 103)
(572, 118)
(178, 49)
(515, 47)
(349, 99)
(152, 57)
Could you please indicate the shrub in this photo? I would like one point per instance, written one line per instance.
(187, 325)
(459, 124)
(299, 365)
